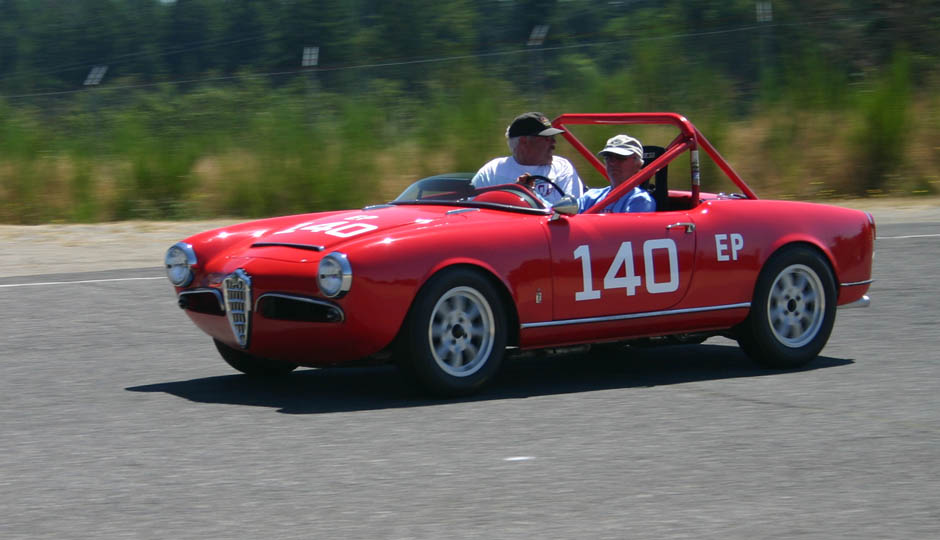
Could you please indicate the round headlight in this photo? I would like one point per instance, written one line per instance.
(334, 275)
(179, 260)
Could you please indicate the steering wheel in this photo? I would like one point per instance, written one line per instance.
(536, 178)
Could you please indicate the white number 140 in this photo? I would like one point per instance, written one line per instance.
(622, 273)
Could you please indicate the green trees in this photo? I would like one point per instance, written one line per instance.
(47, 45)
(205, 94)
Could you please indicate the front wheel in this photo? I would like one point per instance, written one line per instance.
(250, 364)
(455, 336)
(793, 309)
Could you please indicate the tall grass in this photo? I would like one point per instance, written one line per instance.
(881, 137)
(252, 150)
(818, 135)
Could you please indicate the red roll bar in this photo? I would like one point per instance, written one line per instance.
(689, 138)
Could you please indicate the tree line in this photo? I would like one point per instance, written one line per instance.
(50, 45)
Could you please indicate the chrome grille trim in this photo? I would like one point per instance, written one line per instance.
(236, 289)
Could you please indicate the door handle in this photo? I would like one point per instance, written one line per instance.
(689, 227)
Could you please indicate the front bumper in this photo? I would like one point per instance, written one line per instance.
(862, 302)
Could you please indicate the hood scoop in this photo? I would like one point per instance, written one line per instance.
(308, 247)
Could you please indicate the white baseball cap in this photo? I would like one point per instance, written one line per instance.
(622, 145)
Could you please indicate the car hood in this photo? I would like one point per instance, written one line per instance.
(298, 238)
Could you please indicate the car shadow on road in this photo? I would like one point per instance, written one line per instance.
(318, 391)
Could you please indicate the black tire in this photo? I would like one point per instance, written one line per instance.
(455, 337)
(793, 309)
(250, 364)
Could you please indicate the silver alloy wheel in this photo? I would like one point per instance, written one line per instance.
(796, 307)
(461, 331)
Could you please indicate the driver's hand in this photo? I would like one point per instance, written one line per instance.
(526, 180)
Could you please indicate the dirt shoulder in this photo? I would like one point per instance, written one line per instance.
(60, 248)
(897, 210)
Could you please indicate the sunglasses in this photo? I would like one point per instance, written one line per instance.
(618, 157)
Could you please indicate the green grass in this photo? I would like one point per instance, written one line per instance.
(253, 151)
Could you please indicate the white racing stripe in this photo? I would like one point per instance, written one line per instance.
(908, 236)
(75, 282)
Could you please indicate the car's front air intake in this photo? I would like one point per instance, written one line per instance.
(237, 293)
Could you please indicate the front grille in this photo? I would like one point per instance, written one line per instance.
(236, 288)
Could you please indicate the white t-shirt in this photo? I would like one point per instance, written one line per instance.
(505, 170)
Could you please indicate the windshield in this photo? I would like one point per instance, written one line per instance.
(455, 190)
(443, 187)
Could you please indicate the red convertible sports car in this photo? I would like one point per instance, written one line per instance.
(446, 278)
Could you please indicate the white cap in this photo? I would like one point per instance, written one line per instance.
(622, 145)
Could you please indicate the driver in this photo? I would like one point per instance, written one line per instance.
(531, 139)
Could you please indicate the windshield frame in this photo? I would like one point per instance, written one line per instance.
(454, 189)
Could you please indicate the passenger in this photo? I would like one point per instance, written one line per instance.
(531, 140)
(623, 157)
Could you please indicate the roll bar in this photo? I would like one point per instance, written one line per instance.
(689, 138)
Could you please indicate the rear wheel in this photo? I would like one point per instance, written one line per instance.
(793, 309)
(455, 336)
(250, 364)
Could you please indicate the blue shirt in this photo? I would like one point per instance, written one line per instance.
(638, 200)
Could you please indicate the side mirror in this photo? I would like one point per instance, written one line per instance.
(567, 206)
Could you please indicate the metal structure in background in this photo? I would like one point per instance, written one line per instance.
(311, 57)
(94, 79)
(537, 39)
(765, 19)
(311, 60)
(765, 12)
(95, 75)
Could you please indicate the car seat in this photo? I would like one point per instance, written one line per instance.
(660, 186)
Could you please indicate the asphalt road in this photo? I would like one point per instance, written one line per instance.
(119, 420)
